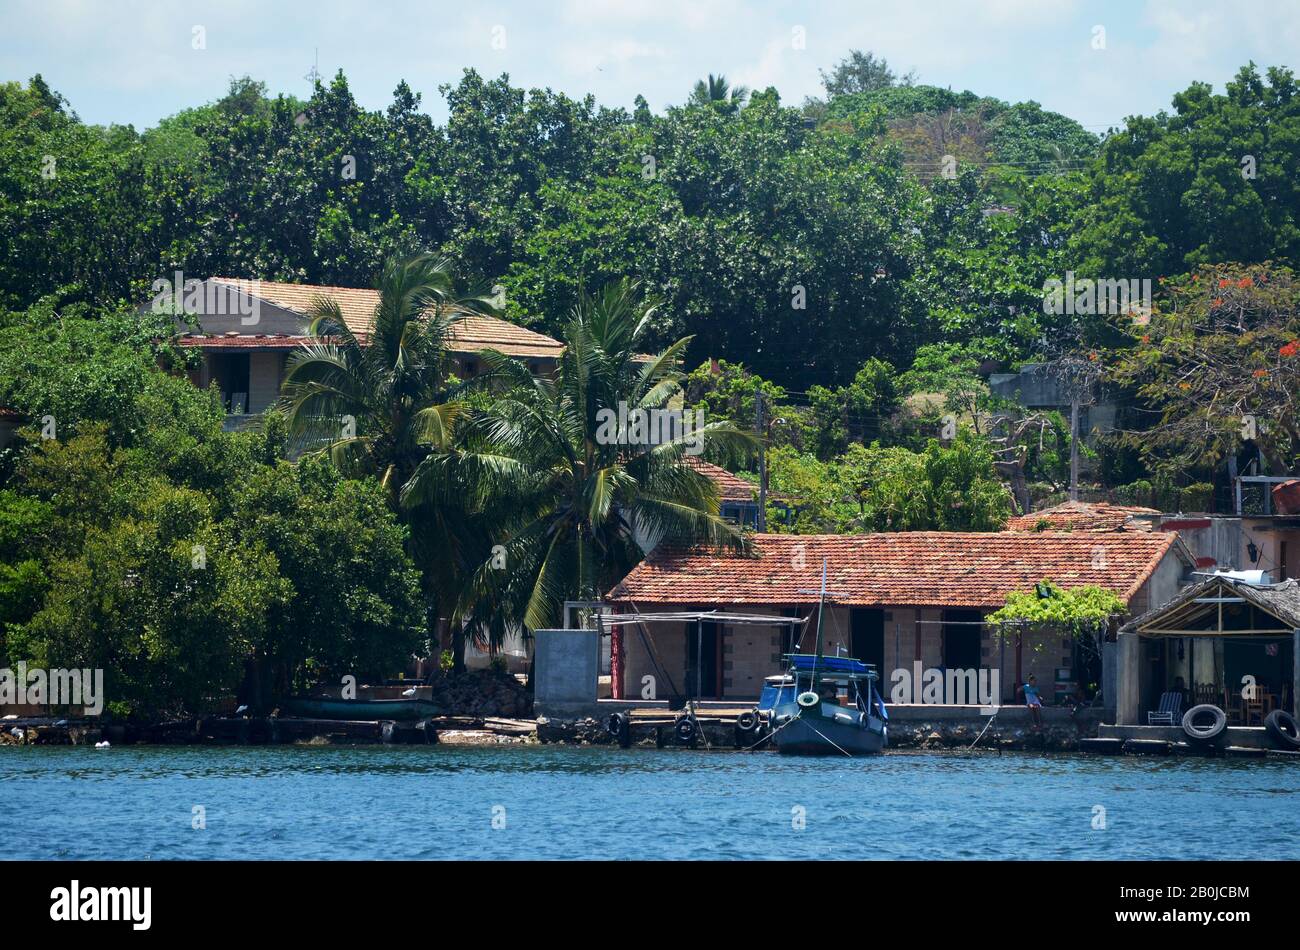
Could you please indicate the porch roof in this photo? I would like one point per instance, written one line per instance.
(1199, 602)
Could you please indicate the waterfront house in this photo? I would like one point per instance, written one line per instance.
(1260, 534)
(247, 329)
(1229, 640)
(894, 599)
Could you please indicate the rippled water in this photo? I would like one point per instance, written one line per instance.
(575, 802)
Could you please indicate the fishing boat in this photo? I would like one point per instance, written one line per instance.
(835, 710)
(367, 710)
(827, 705)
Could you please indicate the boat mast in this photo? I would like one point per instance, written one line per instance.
(821, 609)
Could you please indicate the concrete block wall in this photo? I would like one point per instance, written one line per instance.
(669, 641)
(265, 368)
(749, 654)
(1041, 655)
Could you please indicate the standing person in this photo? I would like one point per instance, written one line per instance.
(1033, 700)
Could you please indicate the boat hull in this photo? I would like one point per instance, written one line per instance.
(812, 733)
(359, 709)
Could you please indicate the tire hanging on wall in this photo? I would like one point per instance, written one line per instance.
(619, 725)
(685, 729)
(1204, 733)
(1283, 729)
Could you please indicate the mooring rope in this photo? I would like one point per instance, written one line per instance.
(818, 731)
(770, 734)
(996, 710)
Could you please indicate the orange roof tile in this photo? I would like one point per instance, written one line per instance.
(731, 487)
(917, 568)
(1085, 516)
(358, 308)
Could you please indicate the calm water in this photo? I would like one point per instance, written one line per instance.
(573, 802)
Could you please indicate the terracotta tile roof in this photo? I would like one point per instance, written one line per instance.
(917, 569)
(732, 488)
(244, 342)
(1086, 516)
(358, 307)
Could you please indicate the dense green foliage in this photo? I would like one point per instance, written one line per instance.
(138, 537)
(861, 264)
(1081, 611)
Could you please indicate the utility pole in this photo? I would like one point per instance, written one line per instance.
(762, 464)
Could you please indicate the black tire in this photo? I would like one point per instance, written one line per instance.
(1283, 729)
(747, 721)
(1204, 733)
(685, 729)
(620, 727)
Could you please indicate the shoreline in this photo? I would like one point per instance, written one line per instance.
(925, 738)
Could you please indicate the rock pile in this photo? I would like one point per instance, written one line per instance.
(482, 693)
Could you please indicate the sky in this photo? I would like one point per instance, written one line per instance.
(137, 61)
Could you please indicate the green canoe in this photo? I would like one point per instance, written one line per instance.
(366, 710)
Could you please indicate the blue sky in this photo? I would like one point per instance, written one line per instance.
(133, 60)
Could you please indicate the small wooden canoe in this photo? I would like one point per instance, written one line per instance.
(355, 710)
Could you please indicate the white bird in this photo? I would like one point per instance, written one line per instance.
(102, 745)
(17, 733)
(241, 710)
(409, 692)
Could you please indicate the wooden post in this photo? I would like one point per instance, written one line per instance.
(1295, 670)
(615, 660)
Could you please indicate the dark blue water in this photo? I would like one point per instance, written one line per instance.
(574, 802)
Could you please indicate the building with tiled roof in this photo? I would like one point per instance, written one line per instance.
(731, 487)
(739, 498)
(1087, 516)
(247, 328)
(894, 599)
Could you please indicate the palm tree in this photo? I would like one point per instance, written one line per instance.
(568, 503)
(382, 402)
(716, 90)
(378, 403)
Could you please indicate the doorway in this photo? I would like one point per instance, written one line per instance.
(867, 636)
(961, 639)
(703, 647)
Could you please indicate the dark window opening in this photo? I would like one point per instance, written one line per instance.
(230, 372)
(961, 639)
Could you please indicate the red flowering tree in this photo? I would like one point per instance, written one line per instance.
(1219, 364)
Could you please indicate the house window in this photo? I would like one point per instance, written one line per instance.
(471, 368)
(230, 372)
